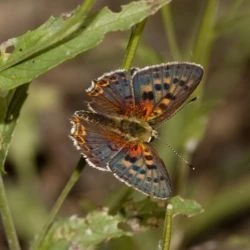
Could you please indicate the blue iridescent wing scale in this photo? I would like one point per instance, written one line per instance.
(96, 144)
(139, 166)
(162, 89)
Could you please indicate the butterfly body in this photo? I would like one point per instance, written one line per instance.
(125, 108)
(129, 128)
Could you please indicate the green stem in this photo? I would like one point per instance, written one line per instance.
(71, 182)
(205, 40)
(205, 35)
(169, 31)
(7, 219)
(133, 44)
(167, 227)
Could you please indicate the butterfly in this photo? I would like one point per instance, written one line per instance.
(125, 108)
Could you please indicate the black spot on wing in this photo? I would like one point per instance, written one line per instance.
(148, 157)
(149, 179)
(156, 180)
(170, 96)
(128, 97)
(182, 83)
(151, 167)
(130, 159)
(148, 96)
(175, 80)
(166, 86)
(158, 87)
(136, 168)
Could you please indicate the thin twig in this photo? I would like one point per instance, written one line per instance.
(167, 227)
(7, 220)
(71, 182)
(169, 31)
(133, 44)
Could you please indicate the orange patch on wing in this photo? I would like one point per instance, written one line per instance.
(141, 176)
(117, 140)
(146, 109)
(130, 109)
(131, 171)
(126, 164)
(97, 90)
(103, 83)
(79, 130)
(173, 88)
(167, 80)
(146, 88)
(135, 150)
(157, 81)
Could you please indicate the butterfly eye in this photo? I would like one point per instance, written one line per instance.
(154, 134)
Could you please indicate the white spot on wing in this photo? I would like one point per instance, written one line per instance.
(73, 129)
(91, 87)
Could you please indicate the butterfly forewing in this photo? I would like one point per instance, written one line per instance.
(112, 93)
(140, 167)
(163, 88)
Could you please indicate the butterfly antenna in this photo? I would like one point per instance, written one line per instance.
(190, 165)
(183, 106)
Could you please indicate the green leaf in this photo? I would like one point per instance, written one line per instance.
(84, 233)
(10, 109)
(20, 68)
(48, 34)
(185, 207)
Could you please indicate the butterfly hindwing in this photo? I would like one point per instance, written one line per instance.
(112, 93)
(163, 88)
(96, 144)
(140, 167)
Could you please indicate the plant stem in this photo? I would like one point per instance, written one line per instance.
(7, 220)
(71, 182)
(205, 37)
(167, 227)
(169, 31)
(133, 44)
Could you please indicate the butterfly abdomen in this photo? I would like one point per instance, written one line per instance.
(95, 118)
